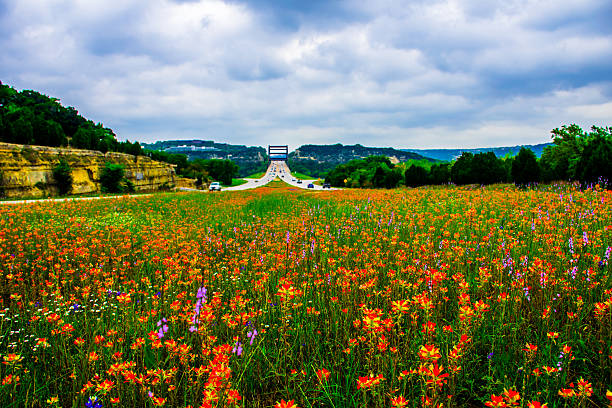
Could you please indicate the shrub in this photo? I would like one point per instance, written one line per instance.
(127, 186)
(62, 174)
(111, 177)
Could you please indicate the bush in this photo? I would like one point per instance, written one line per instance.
(111, 177)
(127, 186)
(62, 174)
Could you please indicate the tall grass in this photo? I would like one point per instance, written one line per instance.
(437, 297)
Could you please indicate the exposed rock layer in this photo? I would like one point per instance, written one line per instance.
(27, 171)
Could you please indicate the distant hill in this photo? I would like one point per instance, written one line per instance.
(451, 154)
(319, 159)
(250, 159)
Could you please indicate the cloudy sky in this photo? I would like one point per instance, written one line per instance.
(408, 74)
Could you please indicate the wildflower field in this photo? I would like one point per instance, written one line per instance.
(441, 297)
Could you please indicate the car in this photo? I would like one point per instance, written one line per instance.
(310, 185)
(299, 181)
(214, 186)
(292, 179)
(326, 185)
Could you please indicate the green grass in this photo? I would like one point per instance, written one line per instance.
(302, 176)
(235, 182)
(256, 175)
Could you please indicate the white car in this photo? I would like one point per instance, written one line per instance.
(214, 186)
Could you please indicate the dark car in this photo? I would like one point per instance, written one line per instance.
(310, 185)
(326, 185)
(299, 181)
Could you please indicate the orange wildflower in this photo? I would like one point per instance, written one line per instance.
(286, 404)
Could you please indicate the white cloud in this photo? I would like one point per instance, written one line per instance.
(407, 74)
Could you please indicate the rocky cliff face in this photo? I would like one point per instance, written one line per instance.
(27, 171)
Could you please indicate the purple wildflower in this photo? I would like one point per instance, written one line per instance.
(163, 327)
(237, 348)
(252, 336)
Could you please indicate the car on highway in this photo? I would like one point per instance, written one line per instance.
(214, 186)
(299, 181)
(310, 185)
(326, 185)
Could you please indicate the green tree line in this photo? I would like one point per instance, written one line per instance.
(31, 118)
(575, 155)
(203, 170)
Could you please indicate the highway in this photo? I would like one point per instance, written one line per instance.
(280, 170)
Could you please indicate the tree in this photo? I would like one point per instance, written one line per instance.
(21, 131)
(440, 173)
(83, 139)
(373, 171)
(595, 163)
(221, 170)
(415, 176)
(380, 175)
(461, 171)
(111, 177)
(62, 173)
(394, 178)
(559, 161)
(487, 169)
(525, 168)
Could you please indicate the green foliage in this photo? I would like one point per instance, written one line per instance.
(373, 171)
(127, 186)
(427, 164)
(595, 163)
(221, 170)
(20, 131)
(461, 171)
(217, 170)
(482, 168)
(415, 176)
(62, 174)
(29, 117)
(559, 160)
(310, 167)
(111, 177)
(440, 173)
(179, 160)
(525, 168)
(250, 159)
(577, 155)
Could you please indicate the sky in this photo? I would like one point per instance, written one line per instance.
(404, 74)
